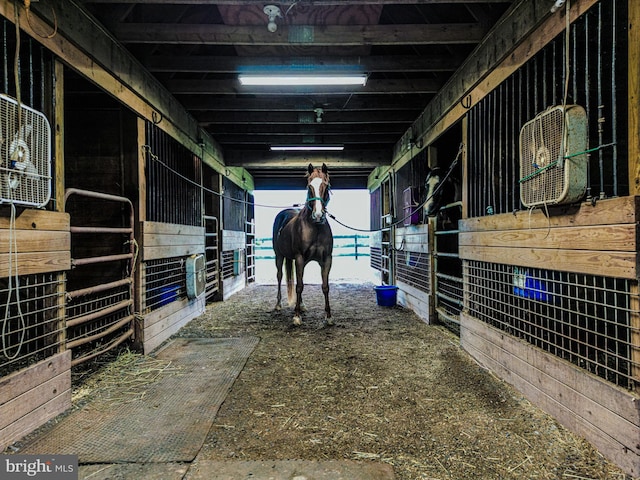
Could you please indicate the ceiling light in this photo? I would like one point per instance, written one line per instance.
(307, 148)
(272, 12)
(309, 80)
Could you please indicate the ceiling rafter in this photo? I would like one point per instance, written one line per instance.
(305, 35)
(196, 48)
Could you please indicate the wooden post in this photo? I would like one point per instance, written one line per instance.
(59, 183)
(633, 62)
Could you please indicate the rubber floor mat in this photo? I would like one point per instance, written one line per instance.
(171, 421)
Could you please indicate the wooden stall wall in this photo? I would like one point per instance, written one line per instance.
(413, 258)
(171, 231)
(81, 66)
(551, 292)
(411, 243)
(35, 368)
(234, 238)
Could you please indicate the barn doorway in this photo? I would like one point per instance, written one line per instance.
(351, 262)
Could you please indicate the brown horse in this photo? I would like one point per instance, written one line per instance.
(300, 236)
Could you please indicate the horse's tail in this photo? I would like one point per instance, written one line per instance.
(291, 292)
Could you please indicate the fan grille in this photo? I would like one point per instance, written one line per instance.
(547, 176)
(25, 155)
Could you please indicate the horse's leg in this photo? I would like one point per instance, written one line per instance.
(279, 261)
(297, 313)
(324, 272)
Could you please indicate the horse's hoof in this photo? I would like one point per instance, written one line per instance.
(329, 322)
(278, 308)
(297, 321)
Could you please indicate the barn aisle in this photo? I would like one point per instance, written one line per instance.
(381, 395)
(381, 387)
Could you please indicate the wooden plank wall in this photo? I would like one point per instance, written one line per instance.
(164, 322)
(415, 238)
(33, 396)
(598, 239)
(608, 417)
(164, 240)
(43, 242)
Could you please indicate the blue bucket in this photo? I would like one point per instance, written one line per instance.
(386, 295)
(168, 295)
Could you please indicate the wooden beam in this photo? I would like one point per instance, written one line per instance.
(291, 2)
(331, 128)
(347, 159)
(231, 64)
(304, 104)
(335, 117)
(233, 87)
(307, 35)
(346, 138)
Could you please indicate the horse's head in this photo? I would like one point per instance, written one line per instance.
(433, 192)
(318, 192)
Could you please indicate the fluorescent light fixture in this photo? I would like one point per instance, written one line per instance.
(307, 148)
(302, 80)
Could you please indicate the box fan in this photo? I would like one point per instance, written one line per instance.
(553, 165)
(196, 275)
(25, 155)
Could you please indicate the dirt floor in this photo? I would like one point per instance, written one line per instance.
(379, 385)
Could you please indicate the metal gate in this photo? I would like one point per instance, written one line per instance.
(448, 266)
(211, 249)
(99, 304)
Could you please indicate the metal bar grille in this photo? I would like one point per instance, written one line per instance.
(376, 257)
(584, 319)
(597, 81)
(35, 61)
(174, 179)
(232, 263)
(165, 282)
(414, 268)
(31, 324)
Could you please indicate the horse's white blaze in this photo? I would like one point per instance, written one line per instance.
(432, 183)
(317, 204)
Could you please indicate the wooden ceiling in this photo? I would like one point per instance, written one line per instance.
(197, 48)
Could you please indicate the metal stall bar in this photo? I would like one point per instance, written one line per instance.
(250, 262)
(211, 248)
(448, 282)
(103, 310)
